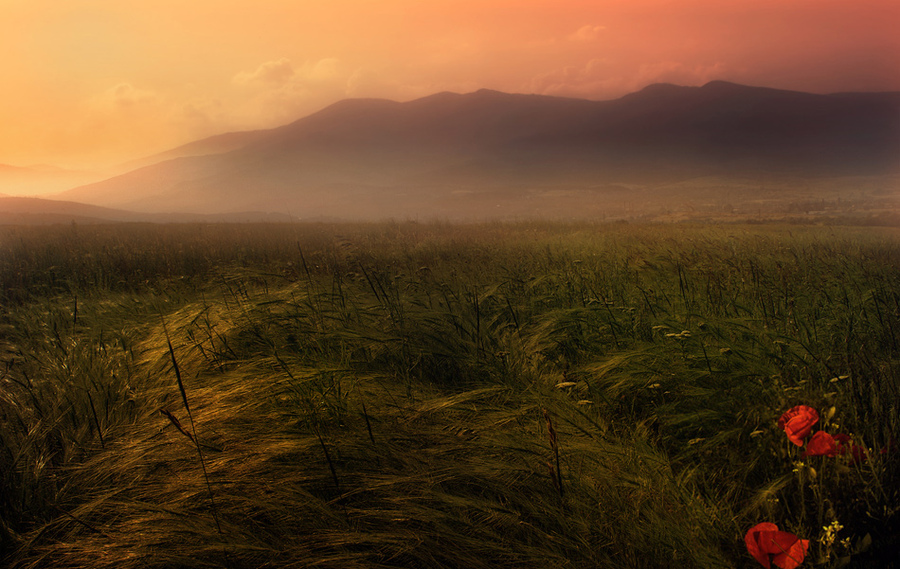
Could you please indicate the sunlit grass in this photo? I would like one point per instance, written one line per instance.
(380, 395)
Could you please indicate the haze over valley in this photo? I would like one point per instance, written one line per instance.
(665, 152)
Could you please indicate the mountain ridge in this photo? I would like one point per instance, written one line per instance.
(360, 157)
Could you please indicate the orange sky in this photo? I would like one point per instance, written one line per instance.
(86, 83)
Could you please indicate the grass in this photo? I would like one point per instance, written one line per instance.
(430, 395)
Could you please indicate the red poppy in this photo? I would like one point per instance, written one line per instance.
(842, 440)
(822, 444)
(768, 545)
(846, 445)
(797, 422)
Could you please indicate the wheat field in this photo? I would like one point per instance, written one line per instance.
(432, 395)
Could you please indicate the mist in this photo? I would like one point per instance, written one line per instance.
(718, 152)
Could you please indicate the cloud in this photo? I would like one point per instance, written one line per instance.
(368, 83)
(282, 74)
(279, 90)
(365, 82)
(272, 73)
(125, 121)
(587, 33)
(677, 73)
(323, 70)
(125, 97)
(595, 78)
(602, 78)
(202, 117)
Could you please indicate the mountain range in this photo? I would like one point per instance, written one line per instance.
(488, 153)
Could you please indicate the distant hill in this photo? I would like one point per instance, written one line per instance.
(31, 211)
(39, 211)
(218, 144)
(461, 155)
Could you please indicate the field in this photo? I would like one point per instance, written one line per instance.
(434, 395)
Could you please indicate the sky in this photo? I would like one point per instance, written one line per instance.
(91, 83)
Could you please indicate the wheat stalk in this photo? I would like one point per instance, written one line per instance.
(194, 438)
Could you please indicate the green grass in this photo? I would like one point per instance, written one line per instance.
(383, 395)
